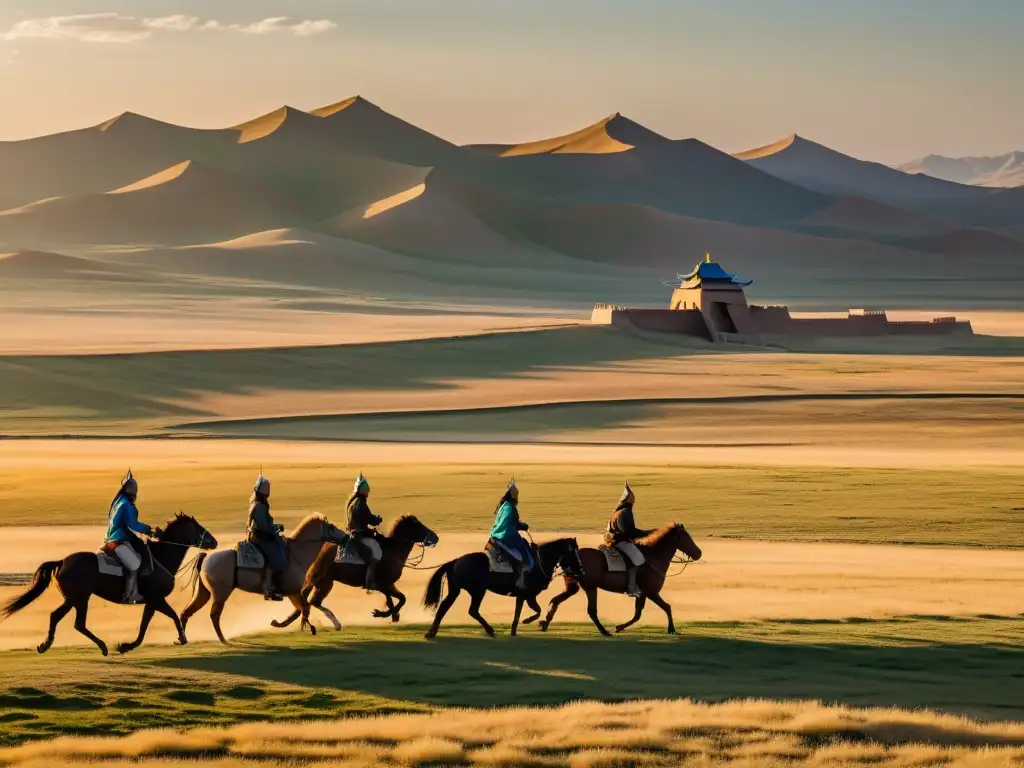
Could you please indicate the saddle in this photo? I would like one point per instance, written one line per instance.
(109, 565)
(501, 558)
(615, 559)
(248, 556)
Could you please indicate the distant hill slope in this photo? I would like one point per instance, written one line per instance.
(181, 203)
(613, 134)
(1005, 170)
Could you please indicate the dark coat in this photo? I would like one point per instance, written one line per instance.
(360, 518)
(622, 526)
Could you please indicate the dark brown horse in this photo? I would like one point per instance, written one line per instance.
(472, 573)
(406, 533)
(658, 548)
(79, 578)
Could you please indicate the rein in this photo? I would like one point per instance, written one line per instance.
(676, 560)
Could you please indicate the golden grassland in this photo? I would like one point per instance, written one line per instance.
(581, 735)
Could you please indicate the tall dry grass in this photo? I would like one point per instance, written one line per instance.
(583, 735)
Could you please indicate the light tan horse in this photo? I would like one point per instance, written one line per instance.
(218, 575)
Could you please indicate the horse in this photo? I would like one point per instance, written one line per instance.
(658, 548)
(218, 575)
(395, 548)
(472, 573)
(79, 578)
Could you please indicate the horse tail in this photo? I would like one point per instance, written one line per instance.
(40, 581)
(432, 597)
(197, 568)
(320, 570)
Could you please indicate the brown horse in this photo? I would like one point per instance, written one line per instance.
(79, 578)
(406, 533)
(658, 548)
(218, 575)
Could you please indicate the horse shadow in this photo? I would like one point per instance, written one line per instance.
(462, 669)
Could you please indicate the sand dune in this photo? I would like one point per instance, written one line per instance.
(815, 166)
(178, 204)
(613, 134)
(43, 265)
(853, 216)
(363, 127)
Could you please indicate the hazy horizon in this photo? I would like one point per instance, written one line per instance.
(883, 81)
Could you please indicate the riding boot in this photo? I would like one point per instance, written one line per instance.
(272, 586)
(371, 574)
(520, 576)
(131, 588)
(631, 588)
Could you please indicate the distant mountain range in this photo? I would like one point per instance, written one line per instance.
(352, 197)
(996, 171)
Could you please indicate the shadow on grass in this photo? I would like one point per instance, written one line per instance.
(462, 669)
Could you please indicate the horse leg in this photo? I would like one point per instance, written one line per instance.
(474, 611)
(396, 608)
(535, 607)
(303, 607)
(640, 603)
(215, 611)
(286, 621)
(163, 607)
(147, 616)
(81, 612)
(519, 612)
(571, 588)
(390, 603)
(319, 595)
(202, 597)
(659, 601)
(55, 619)
(592, 611)
(453, 592)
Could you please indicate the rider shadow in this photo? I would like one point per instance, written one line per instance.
(532, 670)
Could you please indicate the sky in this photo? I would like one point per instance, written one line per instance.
(886, 80)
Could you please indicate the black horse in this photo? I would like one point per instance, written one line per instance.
(79, 578)
(473, 573)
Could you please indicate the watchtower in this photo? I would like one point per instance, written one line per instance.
(718, 295)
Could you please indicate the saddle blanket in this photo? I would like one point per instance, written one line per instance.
(248, 556)
(500, 558)
(108, 564)
(616, 560)
(349, 554)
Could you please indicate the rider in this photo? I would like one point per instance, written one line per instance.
(505, 531)
(361, 522)
(621, 532)
(122, 525)
(266, 535)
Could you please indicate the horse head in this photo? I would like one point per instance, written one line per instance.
(318, 528)
(186, 531)
(685, 543)
(409, 530)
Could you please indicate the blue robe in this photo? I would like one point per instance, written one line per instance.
(506, 530)
(123, 520)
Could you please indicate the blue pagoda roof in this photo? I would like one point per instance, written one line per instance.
(713, 272)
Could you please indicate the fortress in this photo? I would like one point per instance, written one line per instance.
(710, 303)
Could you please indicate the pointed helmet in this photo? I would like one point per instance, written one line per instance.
(362, 485)
(262, 485)
(513, 489)
(129, 485)
(628, 497)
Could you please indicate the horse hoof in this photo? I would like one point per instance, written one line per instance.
(430, 635)
(104, 651)
(672, 631)
(43, 647)
(312, 630)
(276, 624)
(544, 626)
(379, 614)
(123, 648)
(394, 618)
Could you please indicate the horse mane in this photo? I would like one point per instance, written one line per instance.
(307, 521)
(397, 524)
(656, 536)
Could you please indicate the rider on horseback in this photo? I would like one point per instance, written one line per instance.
(266, 535)
(122, 525)
(505, 532)
(621, 532)
(361, 522)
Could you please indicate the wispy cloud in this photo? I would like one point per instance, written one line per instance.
(115, 28)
